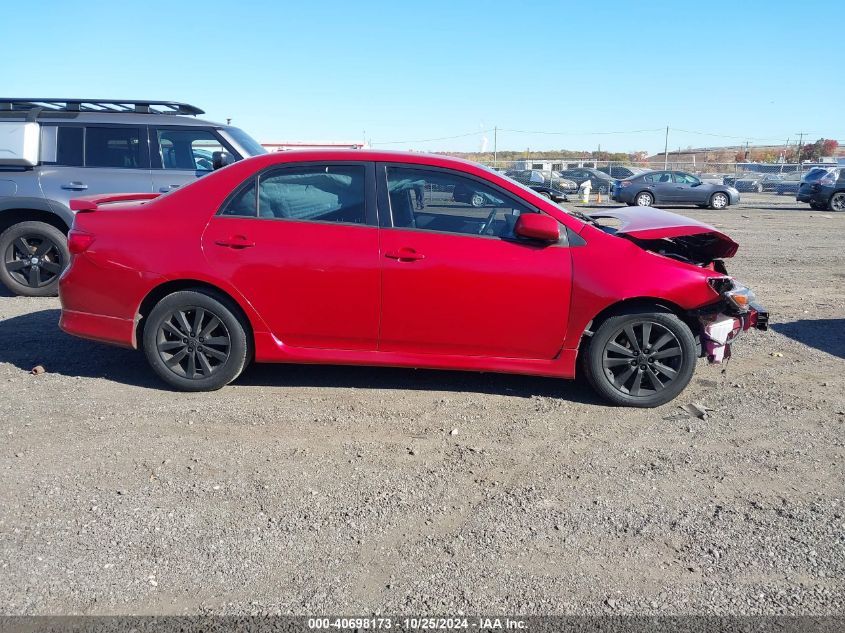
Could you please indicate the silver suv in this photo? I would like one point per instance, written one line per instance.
(52, 150)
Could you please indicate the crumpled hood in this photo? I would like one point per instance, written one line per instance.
(648, 223)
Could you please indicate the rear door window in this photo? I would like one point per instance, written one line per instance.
(319, 193)
(114, 147)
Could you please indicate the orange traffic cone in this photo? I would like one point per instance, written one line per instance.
(598, 196)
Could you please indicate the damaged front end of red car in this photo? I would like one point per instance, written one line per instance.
(691, 242)
(722, 323)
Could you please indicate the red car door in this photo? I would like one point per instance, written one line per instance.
(453, 279)
(301, 245)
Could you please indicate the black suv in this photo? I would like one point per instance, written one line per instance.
(52, 150)
(827, 192)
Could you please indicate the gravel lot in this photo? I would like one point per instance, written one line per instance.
(353, 490)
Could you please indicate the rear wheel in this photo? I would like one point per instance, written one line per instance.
(641, 359)
(546, 194)
(32, 256)
(719, 200)
(644, 199)
(837, 201)
(195, 342)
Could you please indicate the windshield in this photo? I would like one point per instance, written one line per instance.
(247, 143)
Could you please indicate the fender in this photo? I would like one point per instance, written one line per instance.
(38, 204)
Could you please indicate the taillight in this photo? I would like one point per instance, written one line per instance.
(827, 181)
(625, 183)
(79, 241)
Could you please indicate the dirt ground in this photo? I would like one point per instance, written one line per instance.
(312, 490)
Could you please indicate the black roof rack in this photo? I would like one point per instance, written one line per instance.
(132, 106)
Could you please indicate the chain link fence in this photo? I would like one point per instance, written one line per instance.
(569, 175)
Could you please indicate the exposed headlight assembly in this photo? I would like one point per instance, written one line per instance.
(734, 293)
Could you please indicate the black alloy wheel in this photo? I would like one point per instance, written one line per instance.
(193, 342)
(196, 340)
(640, 359)
(34, 254)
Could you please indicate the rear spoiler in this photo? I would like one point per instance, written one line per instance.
(90, 203)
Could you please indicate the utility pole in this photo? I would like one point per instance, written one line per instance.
(800, 143)
(666, 150)
(495, 143)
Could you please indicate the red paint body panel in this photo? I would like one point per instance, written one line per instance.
(326, 293)
(317, 284)
(473, 296)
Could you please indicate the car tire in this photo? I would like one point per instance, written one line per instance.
(759, 189)
(625, 374)
(546, 194)
(207, 358)
(19, 272)
(644, 199)
(719, 201)
(837, 202)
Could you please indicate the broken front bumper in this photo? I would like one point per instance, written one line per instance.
(719, 330)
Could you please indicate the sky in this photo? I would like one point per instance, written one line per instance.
(441, 75)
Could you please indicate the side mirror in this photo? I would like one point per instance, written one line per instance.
(537, 226)
(221, 159)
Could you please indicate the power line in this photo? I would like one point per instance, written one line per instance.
(743, 138)
(658, 129)
(496, 130)
(428, 140)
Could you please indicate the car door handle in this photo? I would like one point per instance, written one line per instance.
(236, 242)
(75, 186)
(405, 255)
(167, 188)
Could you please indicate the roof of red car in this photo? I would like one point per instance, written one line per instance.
(365, 154)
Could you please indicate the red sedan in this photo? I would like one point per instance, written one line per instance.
(380, 258)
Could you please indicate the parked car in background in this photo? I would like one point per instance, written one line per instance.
(253, 262)
(827, 192)
(673, 187)
(789, 183)
(710, 178)
(552, 187)
(599, 181)
(748, 182)
(54, 149)
(622, 171)
(770, 182)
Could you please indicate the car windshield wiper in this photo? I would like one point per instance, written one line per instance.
(583, 217)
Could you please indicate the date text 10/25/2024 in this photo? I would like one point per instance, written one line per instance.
(417, 623)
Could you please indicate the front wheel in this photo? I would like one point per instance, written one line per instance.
(837, 201)
(32, 257)
(195, 342)
(644, 199)
(641, 359)
(719, 200)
